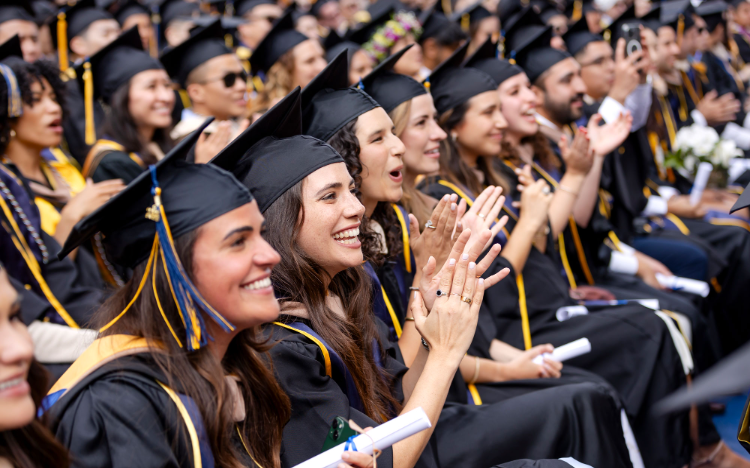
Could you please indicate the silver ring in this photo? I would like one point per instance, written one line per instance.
(439, 293)
(455, 294)
(545, 190)
(429, 225)
(481, 215)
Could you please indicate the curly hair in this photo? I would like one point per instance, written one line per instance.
(346, 143)
(278, 84)
(27, 74)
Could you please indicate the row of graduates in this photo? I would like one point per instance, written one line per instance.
(639, 339)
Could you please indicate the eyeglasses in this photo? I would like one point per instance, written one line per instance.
(231, 78)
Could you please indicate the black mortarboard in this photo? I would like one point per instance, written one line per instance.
(125, 9)
(78, 18)
(328, 103)
(471, 15)
(578, 36)
(11, 48)
(229, 23)
(44, 11)
(192, 195)
(272, 155)
(16, 10)
(547, 10)
(712, 13)
(201, 47)
(452, 85)
(281, 39)
(315, 8)
(100, 75)
(575, 9)
(335, 44)
(727, 377)
(380, 13)
(615, 30)
(743, 201)
(391, 89)
(521, 29)
(172, 198)
(244, 7)
(433, 21)
(170, 10)
(485, 59)
(678, 14)
(537, 56)
(652, 19)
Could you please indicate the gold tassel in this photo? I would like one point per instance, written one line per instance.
(62, 41)
(258, 84)
(465, 22)
(680, 29)
(185, 99)
(88, 102)
(228, 40)
(607, 34)
(577, 10)
(153, 45)
(447, 8)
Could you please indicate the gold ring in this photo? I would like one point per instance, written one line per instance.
(466, 299)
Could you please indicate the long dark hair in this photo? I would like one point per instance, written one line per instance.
(120, 126)
(33, 445)
(540, 147)
(346, 143)
(198, 374)
(454, 168)
(28, 74)
(299, 279)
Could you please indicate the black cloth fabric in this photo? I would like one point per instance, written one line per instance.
(74, 125)
(117, 165)
(119, 416)
(631, 347)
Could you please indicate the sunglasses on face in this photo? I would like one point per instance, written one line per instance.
(231, 78)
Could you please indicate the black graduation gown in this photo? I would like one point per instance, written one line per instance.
(119, 416)
(743, 46)
(576, 415)
(117, 165)
(631, 347)
(74, 124)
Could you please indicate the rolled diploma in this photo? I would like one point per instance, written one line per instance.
(701, 179)
(385, 435)
(569, 351)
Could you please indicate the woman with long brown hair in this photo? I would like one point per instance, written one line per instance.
(25, 441)
(178, 374)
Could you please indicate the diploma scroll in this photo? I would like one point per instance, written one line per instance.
(569, 351)
(701, 179)
(676, 283)
(384, 436)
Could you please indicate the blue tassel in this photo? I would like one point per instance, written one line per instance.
(184, 292)
(15, 104)
(361, 85)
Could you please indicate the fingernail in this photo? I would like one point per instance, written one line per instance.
(465, 257)
(481, 281)
(453, 207)
(472, 265)
(454, 197)
(452, 261)
(459, 225)
(445, 197)
(345, 456)
(415, 295)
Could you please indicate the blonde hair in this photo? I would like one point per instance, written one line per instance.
(278, 83)
(414, 202)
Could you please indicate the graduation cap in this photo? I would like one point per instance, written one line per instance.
(170, 10)
(328, 103)
(272, 155)
(380, 13)
(485, 59)
(535, 55)
(678, 14)
(391, 89)
(44, 11)
(743, 201)
(652, 19)
(452, 85)
(578, 36)
(520, 30)
(712, 13)
(100, 75)
(547, 10)
(509, 9)
(433, 21)
(334, 44)
(72, 21)
(727, 377)
(201, 47)
(576, 9)
(172, 198)
(281, 39)
(17, 10)
(10, 50)
(122, 10)
(316, 6)
(615, 30)
(241, 8)
(471, 15)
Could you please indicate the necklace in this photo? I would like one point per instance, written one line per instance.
(25, 220)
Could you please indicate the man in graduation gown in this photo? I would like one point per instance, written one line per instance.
(17, 18)
(214, 80)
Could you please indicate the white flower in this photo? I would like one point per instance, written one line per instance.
(690, 162)
(724, 152)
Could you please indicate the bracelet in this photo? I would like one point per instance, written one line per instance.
(412, 288)
(424, 343)
(476, 371)
(566, 189)
(409, 319)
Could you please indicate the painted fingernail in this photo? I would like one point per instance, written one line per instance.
(465, 257)
(452, 261)
(453, 207)
(480, 282)
(454, 197)
(445, 197)
(472, 265)
(460, 225)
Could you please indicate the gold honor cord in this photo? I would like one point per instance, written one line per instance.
(404, 237)
(475, 393)
(28, 256)
(391, 312)
(242, 439)
(524, 312)
(323, 349)
(194, 441)
(158, 301)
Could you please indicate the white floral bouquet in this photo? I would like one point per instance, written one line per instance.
(696, 144)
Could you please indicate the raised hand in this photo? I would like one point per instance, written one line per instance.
(524, 367)
(484, 212)
(606, 138)
(577, 156)
(535, 199)
(435, 241)
(91, 197)
(209, 145)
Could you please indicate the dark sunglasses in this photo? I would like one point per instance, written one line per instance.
(231, 78)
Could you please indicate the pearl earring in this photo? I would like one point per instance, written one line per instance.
(12, 133)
